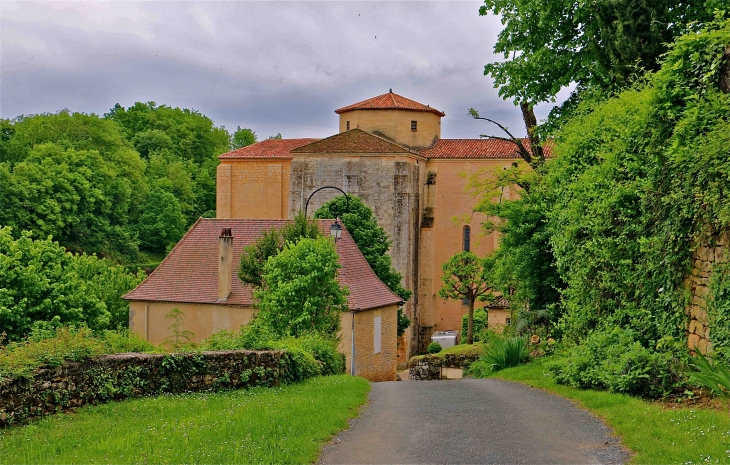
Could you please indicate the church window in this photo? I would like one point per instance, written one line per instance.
(348, 125)
(467, 238)
(414, 126)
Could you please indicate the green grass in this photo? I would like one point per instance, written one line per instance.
(262, 425)
(655, 433)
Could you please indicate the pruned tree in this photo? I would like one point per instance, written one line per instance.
(468, 278)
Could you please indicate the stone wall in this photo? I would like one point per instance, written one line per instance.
(121, 376)
(430, 367)
(713, 250)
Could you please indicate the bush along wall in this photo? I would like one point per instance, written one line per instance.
(429, 367)
(120, 376)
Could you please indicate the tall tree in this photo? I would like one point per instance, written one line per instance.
(549, 45)
(468, 278)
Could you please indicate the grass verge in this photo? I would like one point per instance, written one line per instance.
(262, 425)
(655, 433)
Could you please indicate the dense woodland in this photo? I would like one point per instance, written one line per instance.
(83, 193)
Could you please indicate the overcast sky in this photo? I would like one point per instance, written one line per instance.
(270, 66)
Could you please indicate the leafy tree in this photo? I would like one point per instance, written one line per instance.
(373, 242)
(161, 222)
(277, 136)
(255, 256)
(300, 291)
(549, 45)
(469, 278)
(41, 282)
(242, 137)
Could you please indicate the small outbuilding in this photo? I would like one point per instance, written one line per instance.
(199, 278)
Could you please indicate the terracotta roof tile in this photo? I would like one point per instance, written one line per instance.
(389, 101)
(474, 148)
(353, 141)
(189, 274)
(499, 303)
(269, 148)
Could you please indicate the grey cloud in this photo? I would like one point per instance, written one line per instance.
(274, 67)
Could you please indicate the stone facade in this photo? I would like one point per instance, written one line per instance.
(713, 250)
(375, 366)
(121, 376)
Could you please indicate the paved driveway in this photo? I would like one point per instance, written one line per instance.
(472, 421)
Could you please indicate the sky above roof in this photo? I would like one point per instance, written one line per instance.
(270, 66)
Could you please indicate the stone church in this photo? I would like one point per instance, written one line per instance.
(389, 152)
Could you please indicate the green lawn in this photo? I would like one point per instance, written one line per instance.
(655, 433)
(263, 425)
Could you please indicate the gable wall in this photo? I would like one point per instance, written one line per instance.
(390, 184)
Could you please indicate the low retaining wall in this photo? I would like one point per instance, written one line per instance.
(121, 376)
(431, 367)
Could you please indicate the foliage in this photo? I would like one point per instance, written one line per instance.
(300, 292)
(718, 307)
(255, 256)
(500, 354)
(480, 324)
(615, 360)
(373, 242)
(550, 45)
(371, 238)
(467, 277)
(41, 282)
(51, 347)
(434, 348)
(162, 222)
(242, 137)
(715, 376)
(653, 432)
(287, 424)
(637, 180)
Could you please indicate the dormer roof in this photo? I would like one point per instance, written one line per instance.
(389, 101)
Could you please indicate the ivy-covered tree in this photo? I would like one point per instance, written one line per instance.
(300, 292)
(468, 278)
(373, 242)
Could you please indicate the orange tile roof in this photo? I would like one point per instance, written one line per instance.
(189, 274)
(353, 141)
(475, 148)
(501, 302)
(269, 148)
(389, 101)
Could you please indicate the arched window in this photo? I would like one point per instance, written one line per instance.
(467, 238)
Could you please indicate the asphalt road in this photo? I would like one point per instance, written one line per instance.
(472, 421)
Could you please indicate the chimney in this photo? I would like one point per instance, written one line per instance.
(225, 264)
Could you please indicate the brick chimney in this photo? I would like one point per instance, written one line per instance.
(225, 264)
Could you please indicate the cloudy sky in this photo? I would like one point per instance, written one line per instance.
(271, 66)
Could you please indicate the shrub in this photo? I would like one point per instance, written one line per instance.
(21, 359)
(480, 325)
(505, 353)
(122, 341)
(615, 360)
(434, 348)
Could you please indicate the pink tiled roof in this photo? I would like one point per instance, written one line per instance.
(389, 101)
(476, 148)
(189, 274)
(269, 148)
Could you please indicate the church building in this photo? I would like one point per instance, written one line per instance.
(389, 152)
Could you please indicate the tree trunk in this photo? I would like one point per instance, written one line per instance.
(470, 327)
(528, 116)
(725, 73)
